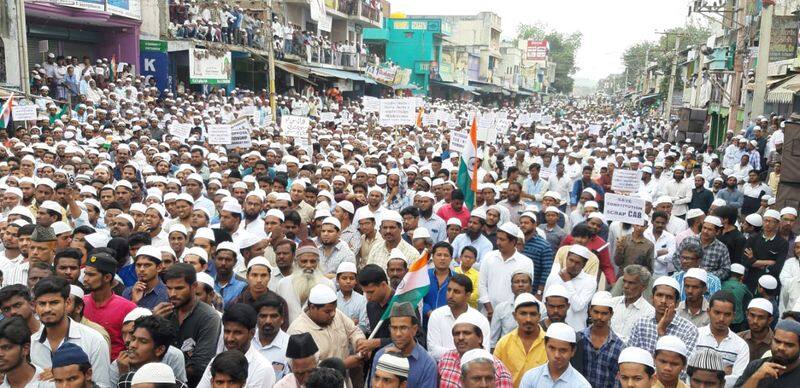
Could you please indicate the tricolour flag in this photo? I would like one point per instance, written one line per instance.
(419, 117)
(413, 287)
(467, 179)
(113, 68)
(5, 111)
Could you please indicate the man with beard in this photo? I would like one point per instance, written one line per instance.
(122, 225)
(765, 252)
(253, 203)
(469, 336)
(731, 194)
(194, 187)
(345, 212)
(513, 202)
(442, 319)
(295, 289)
(75, 311)
(67, 264)
(560, 345)
(42, 245)
(148, 291)
(404, 326)
(786, 230)
(701, 196)
(284, 251)
(51, 299)
(579, 285)
(396, 268)
(149, 341)
(680, 191)
(782, 368)
(473, 235)
(427, 219)
(333, 331)
(664, 321)
(334, 251)
(26, 185)
(102, 305)
(227, 284)
(239, 328)
(270, 339)
(199, 323)
(17, 371)
(523, 348)
(718, 336)
(13, 264)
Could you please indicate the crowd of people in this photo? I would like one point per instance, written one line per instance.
(134, 255)
(222, 23)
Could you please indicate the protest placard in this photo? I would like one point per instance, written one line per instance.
(397, 111)
(429, 120)
(294, 126)
(536, 117)
(624, 208)
(23, 112)
(327, 117)
(248, 111)
(219, 133)
(594, 129)
(240, 134)
(626, 181)
(458, 141)
(180, 130)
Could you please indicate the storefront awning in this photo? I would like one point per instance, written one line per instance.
(784, 93)
(341, 74)
(298, 70)
(648, 97)
(466, 88)
(484, 87)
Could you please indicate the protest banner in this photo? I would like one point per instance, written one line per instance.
(180, 131)
(219, 133)
(397, 111)
(248, 111)
(371, 104)
(23, 112)
(240, 134)
(429, 120)
(327, 117)
(294, 126)
(626, 181)
(624, 208)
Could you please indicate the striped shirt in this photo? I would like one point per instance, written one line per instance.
(733, 349)
(540, 252)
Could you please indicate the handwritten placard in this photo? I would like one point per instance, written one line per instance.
(240, 134)
(294, 126)
(458, 141)
(219, 133)
(180, 130)
(397, 111)
(23, 112)
(624, 208)
(626, 181)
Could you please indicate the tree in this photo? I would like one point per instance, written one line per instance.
(563, 48)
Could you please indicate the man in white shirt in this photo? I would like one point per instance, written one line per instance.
(494, 280)
(680, 191)
(12, 263)
(51, 296)
(632, 305)
(580, 286)
(717, 336)
(663, 243)
(270, 340)
(239, 323)
(442, 320)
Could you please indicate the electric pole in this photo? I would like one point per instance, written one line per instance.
(22, 41)
(764, 38)
(271, 65)
(668, 105)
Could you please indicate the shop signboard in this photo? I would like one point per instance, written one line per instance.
(154, 62)
(536, 50)
(127, 8)
(206, 67)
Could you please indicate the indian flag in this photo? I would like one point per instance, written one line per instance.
(467, 179)
(413, 287)
(5, 112)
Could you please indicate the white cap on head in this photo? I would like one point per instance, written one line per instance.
(789, 211)
(667, 281)
(694, 213)
(673, 344)
(137, 313)
(421, 233)
(524, 298)
(206, 279)
(332, 221)
(61, 227)
(713, 220)
(737, 268)
(511, 229)
(697, 273)
(561, 331)
(346, 267)
(205, 233)
(321, 294)
(772, 213)
(602, 298)
(662, 199)
(454, 221)
(154, 373)
(76, 291)
(275, 213)
(391, 215)
(636, 355)
(718, 202)
(581, 251)
(768, 282)
(475, 354)
(232, 206)
(754, 219)
(556, 290)
(761, 303)
(479, 213)
(259, 260)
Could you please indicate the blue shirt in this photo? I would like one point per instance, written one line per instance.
(422, 370)
(713, 285)
(150, 299)
(539, 377)
(231, 291)
(482, 244)
(541, 253)
(128, 275)
(600, 365)
(437, 295)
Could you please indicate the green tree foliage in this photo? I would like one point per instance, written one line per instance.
(563, 48)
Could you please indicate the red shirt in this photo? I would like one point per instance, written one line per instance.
(450, 372)
(603, 256)
(447, 212)
(110, 316)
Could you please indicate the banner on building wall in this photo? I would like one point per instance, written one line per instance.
(209, 68)
(127, 8)
(384, 75)
(317, 9)
(154, 63)
(536, 50)
(783, 38)
(325, 23)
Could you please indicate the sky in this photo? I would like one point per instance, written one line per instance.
(608, 27)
